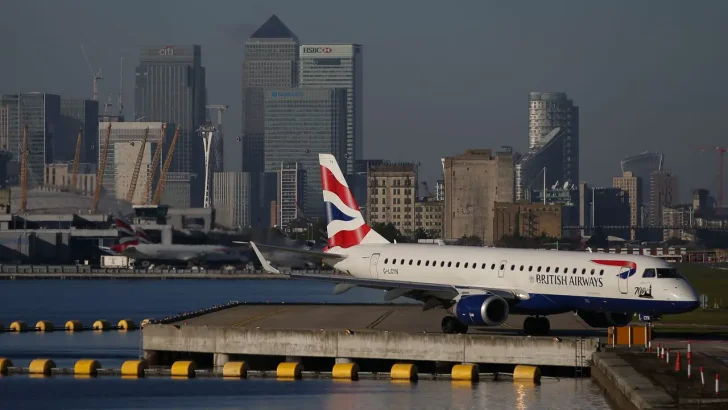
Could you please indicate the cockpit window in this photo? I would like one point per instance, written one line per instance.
(668, 273)
(649, 273)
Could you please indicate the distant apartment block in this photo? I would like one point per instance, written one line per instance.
(679, 219)
(474, 182)
(3, 128)
(61, 175)
(642, 166)
(632, 185)
(526, 220)
(663, 193)
(231, 196)
(428, 216)
(548, 111)
(291, 193)
(391, 195)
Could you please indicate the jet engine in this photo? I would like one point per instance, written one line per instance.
(608, 319)
(482, 310)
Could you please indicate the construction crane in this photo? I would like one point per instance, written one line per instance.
(137, 168)
(165, 168)
(155, 164)
(76, 160)
(721, 151)
(100, 171)
(24, 171)
(96, 77)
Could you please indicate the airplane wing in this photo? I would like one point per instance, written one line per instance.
(299, 252)
(346, 282)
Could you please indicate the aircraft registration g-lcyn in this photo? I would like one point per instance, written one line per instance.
(482, 286)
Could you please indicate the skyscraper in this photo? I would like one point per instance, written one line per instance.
(77, 113)
(271, 61)
(642, 166)
(42, 114)
(170, 87)
(663, 193)
(545, 167)
(633, 186)
(548, 111)
(299, 124)
(338, 65)
(291, 193)
(231, 196)
(3, 127)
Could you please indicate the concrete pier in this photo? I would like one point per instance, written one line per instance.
(354, 332)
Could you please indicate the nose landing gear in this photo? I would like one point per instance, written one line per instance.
(536, 326)
(451, 325)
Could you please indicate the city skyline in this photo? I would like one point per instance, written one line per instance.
(643, 84)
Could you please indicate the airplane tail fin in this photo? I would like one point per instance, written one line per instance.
(345, 224)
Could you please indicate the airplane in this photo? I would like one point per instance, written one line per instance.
(483, 286)
(136, 245)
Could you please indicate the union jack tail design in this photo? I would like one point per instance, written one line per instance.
(630, 267)
(129, 234)
(346, 226)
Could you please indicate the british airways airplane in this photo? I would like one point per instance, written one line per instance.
(482, 286)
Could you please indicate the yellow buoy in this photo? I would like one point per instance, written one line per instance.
(345, 371)
(235, 369)
(86, 367)
(126, 324)
(404, 371)
(465, 372)
(41, 366)
(289, 370)
(74, 326)
(183, 368)
(44, 326)
(133, 368)
(524, 373)
(101, 325)
(18, 326)
(4, 365)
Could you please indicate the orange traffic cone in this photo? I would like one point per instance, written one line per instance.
(677, 362)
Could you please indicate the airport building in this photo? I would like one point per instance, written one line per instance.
(42, 114)
(474, 182)
(428, 216)
(170, 87)
(300, 123)
(338, 66)
(127, 138)
(527, 220)
(632, 184)
(231, 196)
(77, 113)
(392, 194)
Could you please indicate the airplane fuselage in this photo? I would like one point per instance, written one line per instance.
(556, 281)
(208, 253)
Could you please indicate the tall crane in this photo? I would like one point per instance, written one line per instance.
(24, 171)
(76, 160)
(100, 171)
(96, 77)
(137, 168)
(155, 164)
(165, 168)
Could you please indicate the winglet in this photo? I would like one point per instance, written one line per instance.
(264, 262)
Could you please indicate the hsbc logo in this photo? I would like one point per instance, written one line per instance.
(317, 50)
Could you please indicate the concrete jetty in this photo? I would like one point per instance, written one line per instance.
(351, 333)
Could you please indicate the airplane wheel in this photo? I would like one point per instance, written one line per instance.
(461, 328)
(544, 326)
(450, 325)
(530, 326)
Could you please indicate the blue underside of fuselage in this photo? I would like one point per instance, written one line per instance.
(543, 304)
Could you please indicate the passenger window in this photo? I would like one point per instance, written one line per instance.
(502, 266)
(649, 273)
(466, 264)
(539, 269)
(530, 268)
(521, 268)
(548, 268)
(492, 267)
(601, 272)
(513, 267)
(475, 265)
(574, 270)
(592, 271)
(410, 261)
(418, 262)
(457, 264)
(443, 264)
(566, 270)
(385, 260)
(427, 263)
(557, 270)
(583, 271)
(449, 264)
(482, 267)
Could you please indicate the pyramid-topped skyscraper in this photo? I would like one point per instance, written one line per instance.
(271, 61)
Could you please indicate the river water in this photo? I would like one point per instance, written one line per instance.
(59, 301)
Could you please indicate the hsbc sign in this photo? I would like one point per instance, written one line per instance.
(316, 50)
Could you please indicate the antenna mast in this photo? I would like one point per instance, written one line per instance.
(121, 88)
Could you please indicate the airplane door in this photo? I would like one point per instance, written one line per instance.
(502, 268)
(623, 282)
(373, 265)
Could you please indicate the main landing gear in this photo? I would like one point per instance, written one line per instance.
(451, 325)
(536, 326)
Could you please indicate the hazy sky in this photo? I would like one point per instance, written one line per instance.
(439, 77)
